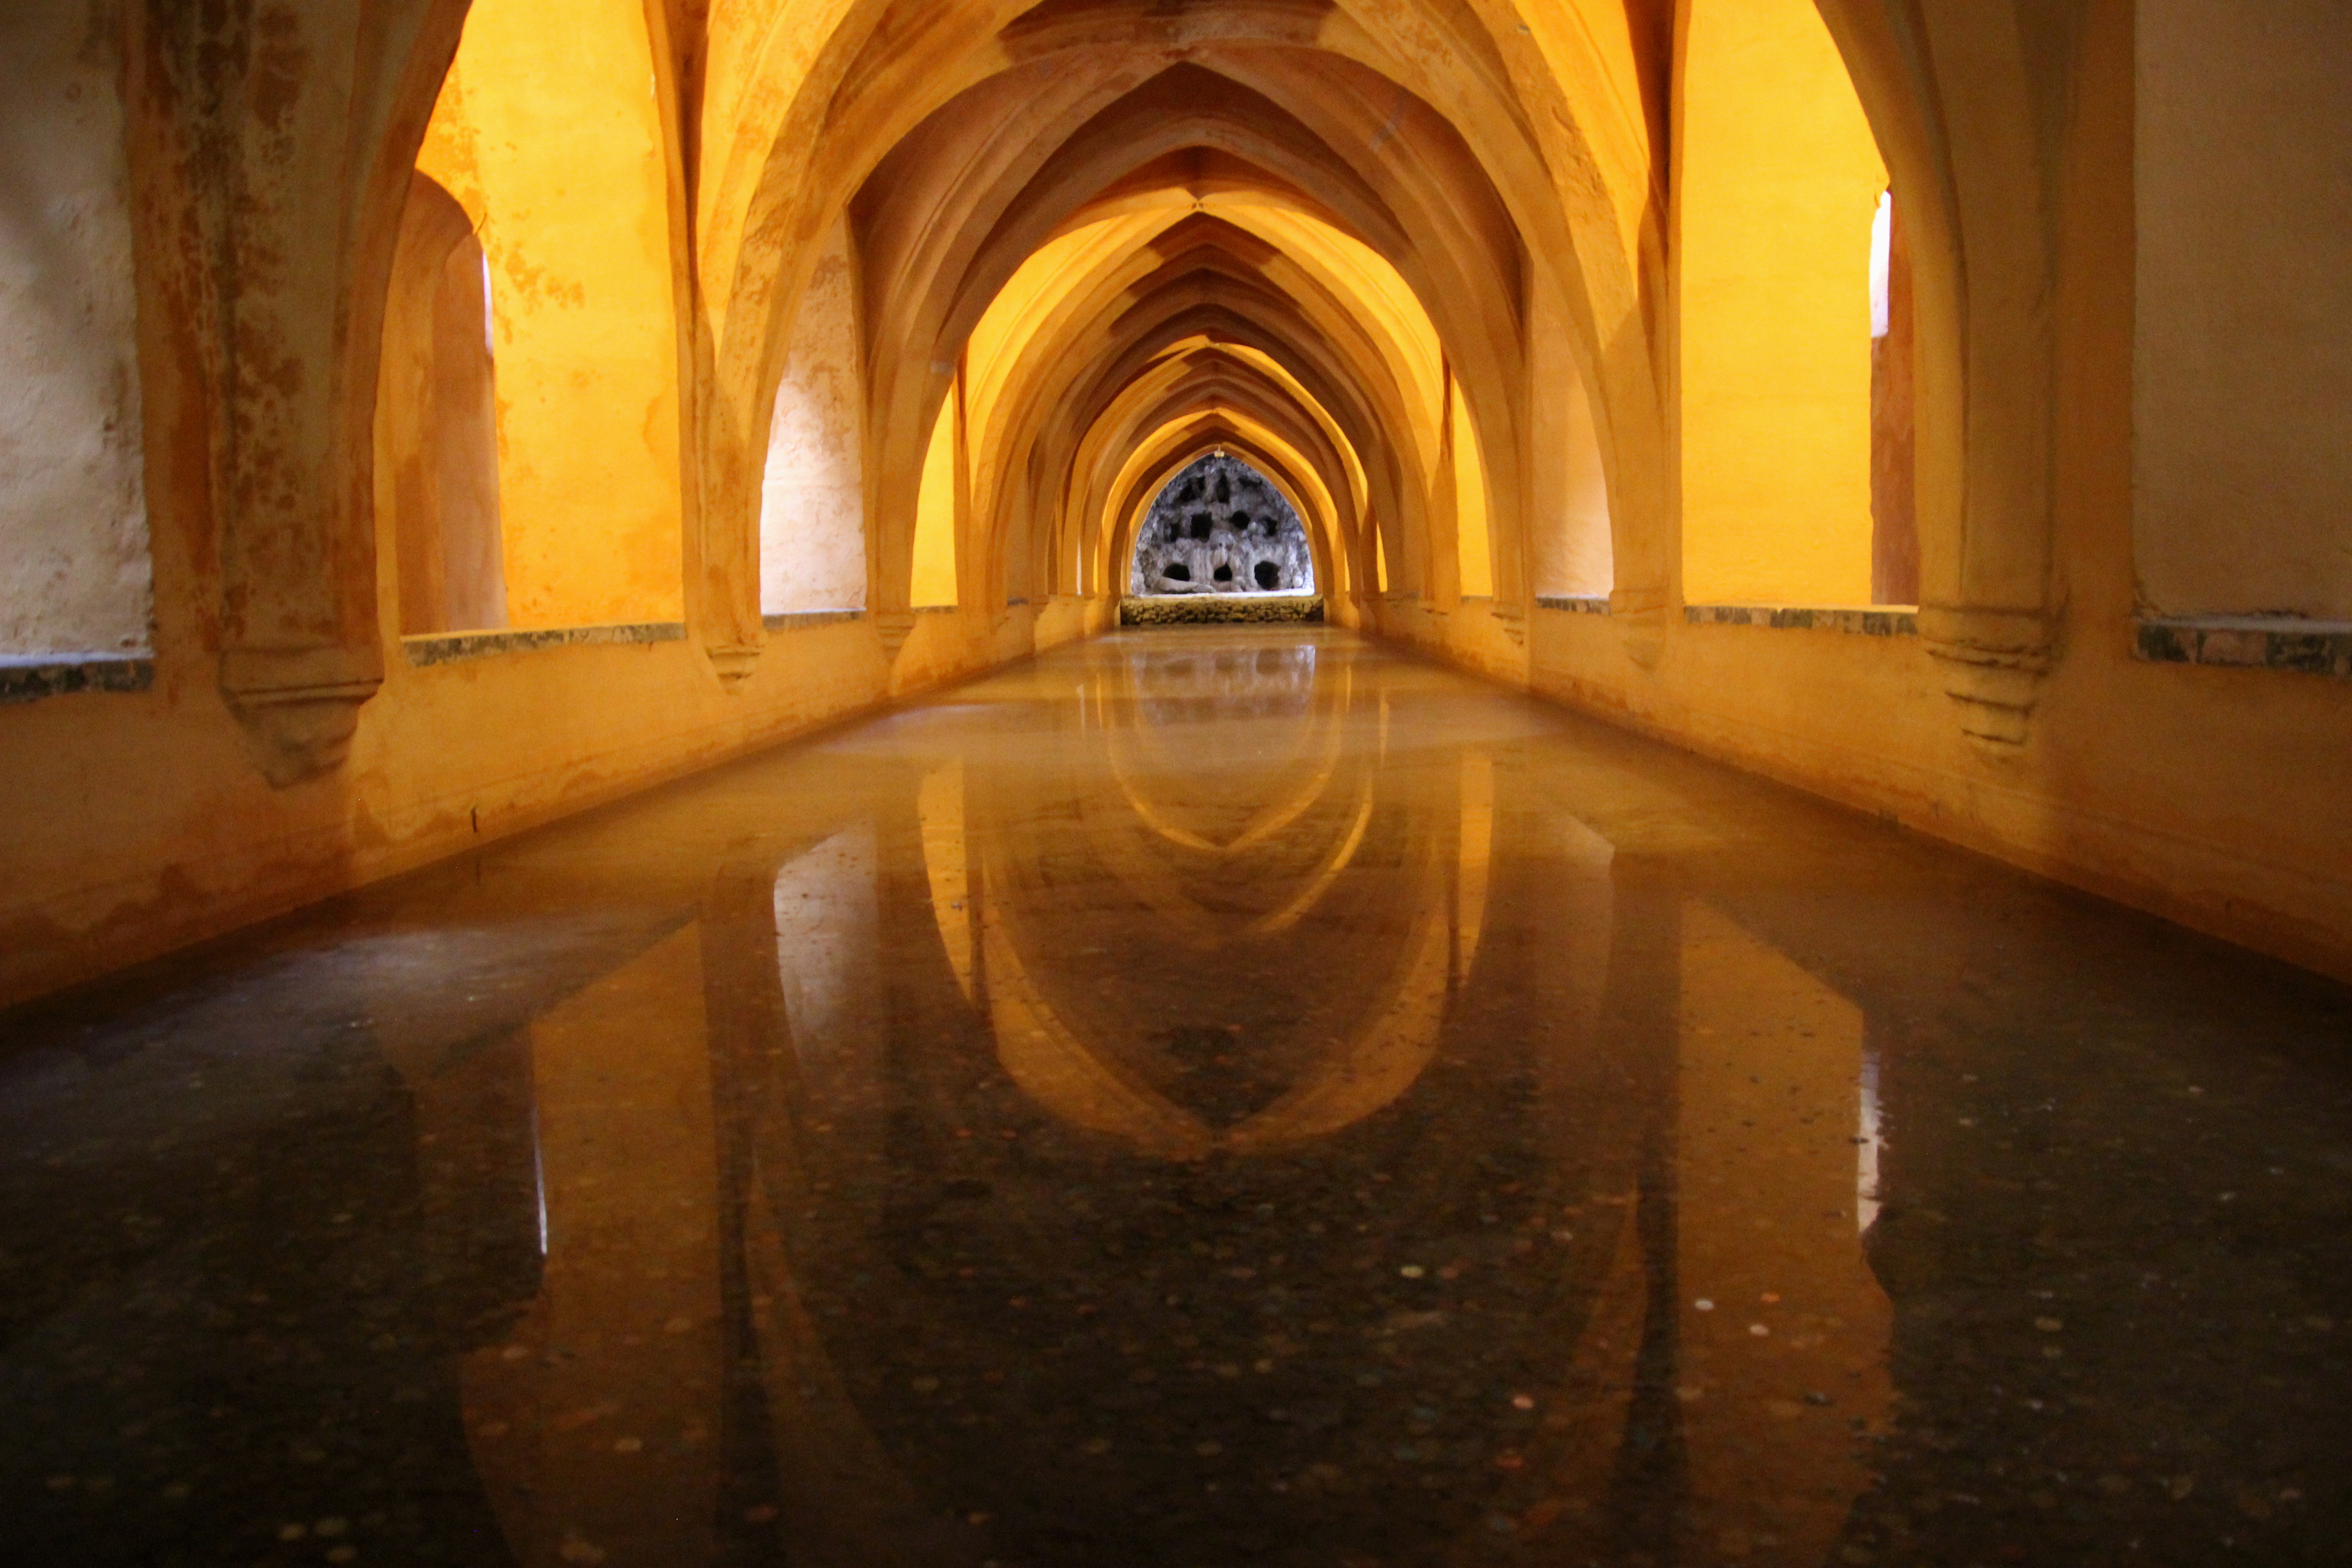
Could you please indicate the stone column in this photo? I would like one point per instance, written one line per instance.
(273, 154)
(1969, 98)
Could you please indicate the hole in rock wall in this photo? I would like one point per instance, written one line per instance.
(1222, 527)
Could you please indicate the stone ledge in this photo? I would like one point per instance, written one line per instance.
(450, 648)
(28, 677)
(1854, 621)
(1574, 604)
(1220, 609)
(800, 620)
(2249, 642)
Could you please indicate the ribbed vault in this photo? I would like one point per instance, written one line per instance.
(1112, 237)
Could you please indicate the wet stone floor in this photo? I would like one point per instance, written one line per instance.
(1205, 1098)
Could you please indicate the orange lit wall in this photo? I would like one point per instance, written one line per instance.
(1471, 534)
(1778, 183)
(936, 515)
(556, 153)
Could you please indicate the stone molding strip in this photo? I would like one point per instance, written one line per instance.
(1854, 621)
(800, 620)
(2250, 642)
(450, 648)
(1574, 604)
(28, 677)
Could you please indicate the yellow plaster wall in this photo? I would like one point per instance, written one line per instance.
(1778, 182)
(555, 147)
(2208, 795)
(131, 823)
(1573, 551)
(1470, 531)
(75, 563)
(2244, 393)
(113, 858)
(935, 516)
(813, 500)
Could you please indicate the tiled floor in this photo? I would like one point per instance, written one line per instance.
(1207, 1098)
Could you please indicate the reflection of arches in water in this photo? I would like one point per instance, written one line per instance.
(828, 923)
(1152, 862)
(847, 1134)
(1088, 1086)
(1125, 747)
(947, 868)
(1092, 1068)
(625, 1328)
(868, 1387)
(1768, 1091)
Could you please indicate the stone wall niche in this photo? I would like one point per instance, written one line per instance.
(1222, 527)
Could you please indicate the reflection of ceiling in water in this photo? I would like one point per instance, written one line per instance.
(1069, 1124)
(1105, 952)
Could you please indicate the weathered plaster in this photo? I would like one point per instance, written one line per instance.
(2242, 390)
(813, 505)
(558, 155)
(1096, 242)
(75, 573)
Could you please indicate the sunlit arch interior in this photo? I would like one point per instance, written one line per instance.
(1153, 1024)
(1110, 236)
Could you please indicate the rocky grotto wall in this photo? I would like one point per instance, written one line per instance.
(1220, 527)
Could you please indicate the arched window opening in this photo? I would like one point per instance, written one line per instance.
(813, 510)
(1894, 504)
(75, 572)
(557, 156)
(437, 423)
(1779, 181)
(1222, 527)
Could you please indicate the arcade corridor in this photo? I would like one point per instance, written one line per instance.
(1198, 1098)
